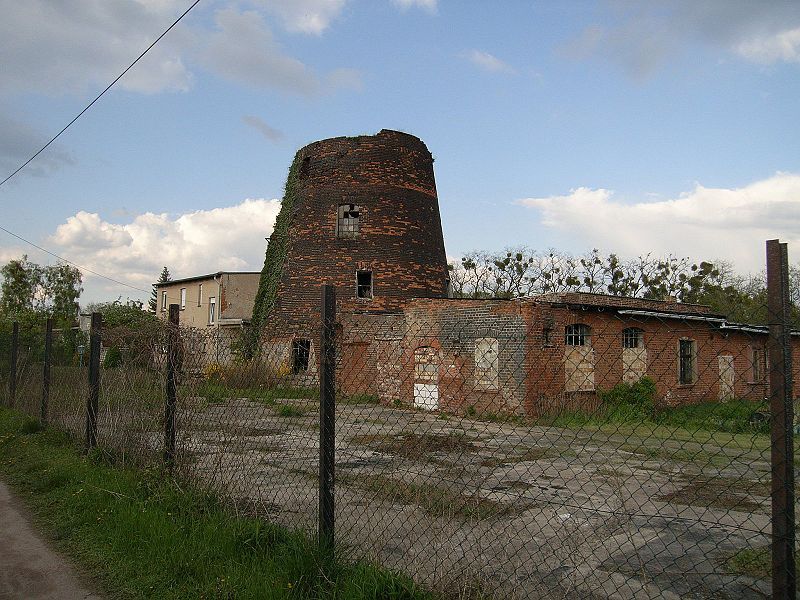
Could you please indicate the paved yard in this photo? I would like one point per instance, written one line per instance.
(521, 512)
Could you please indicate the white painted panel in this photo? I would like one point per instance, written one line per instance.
(426, 395)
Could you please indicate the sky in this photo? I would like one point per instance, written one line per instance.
(631, 127)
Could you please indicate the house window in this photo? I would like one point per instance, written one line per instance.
(305, 167)
(164, 301)
(183, 298)
(200, 294)
(364, 284)
(757, 363)
(212, 310)
(632, 337)
(547, 336)
(301, 350)
(348, 221)
(687, 361)
(487, 363)
(577, 335)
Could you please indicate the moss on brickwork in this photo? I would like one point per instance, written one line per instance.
(275, 258)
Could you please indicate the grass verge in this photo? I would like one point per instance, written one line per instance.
(141, 535)
(755, 562)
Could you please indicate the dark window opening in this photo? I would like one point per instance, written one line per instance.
(577, 335)
(632, 337)
(687, 361)
(547, 336)
(305, 166)
(364, 284)
(301, 350)
(348, 221)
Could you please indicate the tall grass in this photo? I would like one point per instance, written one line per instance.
(141, 535)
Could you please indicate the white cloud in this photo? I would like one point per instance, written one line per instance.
(780, 47)
(705, 223)
(269, 132)
(641, 36)
(429, 5)
(199, 242)
(488, 62)
(53, 47)
(244, 50)
(305, 16)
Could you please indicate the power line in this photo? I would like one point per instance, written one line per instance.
(108, 87)
(74, 264)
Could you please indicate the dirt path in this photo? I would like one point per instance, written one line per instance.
(28, 567)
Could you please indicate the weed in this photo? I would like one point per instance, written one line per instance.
(145, 537)
(288, 410)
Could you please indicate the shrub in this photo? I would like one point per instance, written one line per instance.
(213, 372)
(630, 401)
(113, 358)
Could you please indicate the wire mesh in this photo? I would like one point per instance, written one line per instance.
(248, 427)
(570, 446)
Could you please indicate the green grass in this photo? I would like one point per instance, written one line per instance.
(216, 392)
(288, 410)
(435, 500)
(733, 417)
(755, 562)
(142, 536)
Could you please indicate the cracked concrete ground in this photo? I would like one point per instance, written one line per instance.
(503, 510)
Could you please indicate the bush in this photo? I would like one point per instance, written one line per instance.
(630, 401)
(113, 358)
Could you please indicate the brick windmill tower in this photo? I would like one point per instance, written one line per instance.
(360, 213)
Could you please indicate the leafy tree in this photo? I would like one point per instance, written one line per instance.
(28, 287)
(518, 272)
(129, 314)
(152, 304)
(21, 283)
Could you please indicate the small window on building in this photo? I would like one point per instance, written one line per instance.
(547, 336)
(348, 221)
(364, 284)
(305, 167)
(212, 310)
(301, 350)
(757, 363)
(577, 335)
(632, 337)
(183, 298)
(687, 361)
(164, 301)
(200, 294)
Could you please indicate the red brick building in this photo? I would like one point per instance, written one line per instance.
(539, 355)
(364, 216)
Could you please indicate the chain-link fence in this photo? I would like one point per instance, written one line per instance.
(562, 446)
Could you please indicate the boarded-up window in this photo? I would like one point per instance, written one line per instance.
(426, 364)
(634, 355)
(487, 363)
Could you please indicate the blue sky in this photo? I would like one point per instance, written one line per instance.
(630, 127)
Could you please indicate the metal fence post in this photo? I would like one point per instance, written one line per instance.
(94, 381)
(327, 418)
(12, 378)
(784, 582)
(48, 346)
(173, 358)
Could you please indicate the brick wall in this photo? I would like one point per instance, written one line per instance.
(390, 177)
